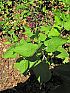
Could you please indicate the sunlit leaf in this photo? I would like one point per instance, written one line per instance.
(42, 37)
(45, 29)
(67, 25)
(53, 43)
(10, 53)
(53, 32)
(22, 66)
(28, 31)
(63, 53)
(26, 50)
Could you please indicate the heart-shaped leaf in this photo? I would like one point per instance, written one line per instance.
(26, 50)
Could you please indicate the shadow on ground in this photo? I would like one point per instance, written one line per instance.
(59, 83)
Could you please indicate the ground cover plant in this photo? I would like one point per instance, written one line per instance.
(39, 31)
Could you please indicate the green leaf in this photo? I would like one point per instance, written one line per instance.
(22, 66)
(44, 9)
(7, 42)
(10, 53)
(28, 31)
(68, 40)
(17, 16)
(22, 41)
(67, 25)
(2, 23)
(65, 1)
(66, 60)
(15, 38)
(31, 64)
(14, 55)
(63, 53)
(42, 37)
(9, 2)
(57, 26)
(26, 50)
(31, 2)
(45, 29)
(63, 16)
(20, 6)
(57, 20)
(53, 43)
(53, 32)
(42, 72)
